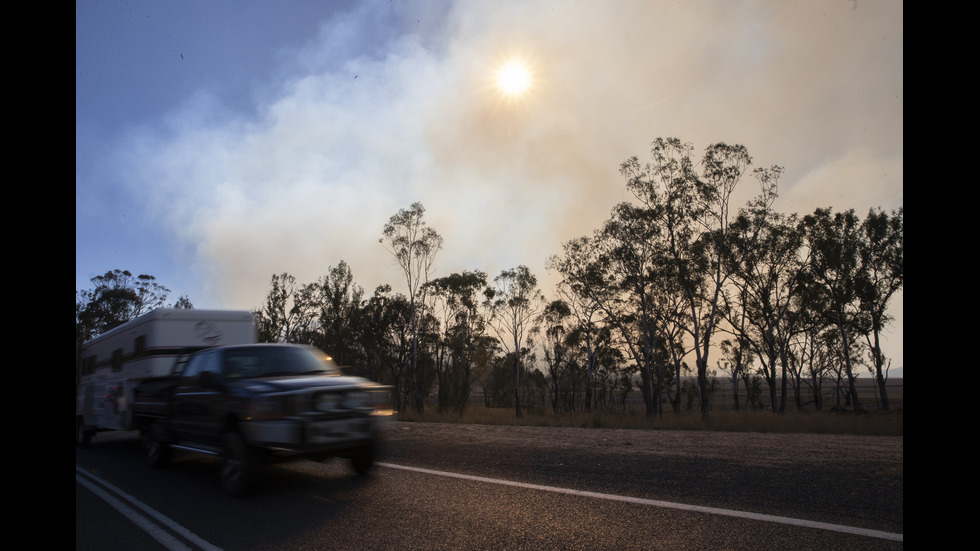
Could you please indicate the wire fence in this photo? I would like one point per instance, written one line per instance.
(722, 395)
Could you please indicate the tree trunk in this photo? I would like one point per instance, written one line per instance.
(879, 376)
(703, 386)
(783, 385)
(852, 388)
(735, 386)
(517, 377)
(646, 388)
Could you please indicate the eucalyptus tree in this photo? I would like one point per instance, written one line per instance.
(836, 368)
(455, 301)
(590, 335)
(738, 360)
(814, 344)
(833, 280)
(116, 297)
(766, 263)
(578, 342)
(614, 274)
(691, 202)
(339, 303)
(414, 245)
(306, 305)
(882, 277)
(285, 316)
(674, 320)
(633, 248)
(514, 302)
(584, 288)
(556, 346)
(386, 341)
(612, 373)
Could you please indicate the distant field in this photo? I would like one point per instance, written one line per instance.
(721, 418)
(867, 394)
(896, 397)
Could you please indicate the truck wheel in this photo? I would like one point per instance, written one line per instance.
(240, 467)
(83, 436)
(157, 451)
(363, 459)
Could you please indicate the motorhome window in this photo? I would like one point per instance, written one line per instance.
(88, 365)
(117, 360)
(140, 346)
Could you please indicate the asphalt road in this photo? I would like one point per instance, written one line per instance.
(478, 492)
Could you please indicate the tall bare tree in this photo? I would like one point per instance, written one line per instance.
(414, 245)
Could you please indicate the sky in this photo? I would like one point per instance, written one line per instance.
(218, 143)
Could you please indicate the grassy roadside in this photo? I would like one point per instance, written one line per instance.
(808, 422)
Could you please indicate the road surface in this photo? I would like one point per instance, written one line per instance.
(471, 487)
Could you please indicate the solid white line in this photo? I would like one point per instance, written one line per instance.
(152, 529)
(664, 504)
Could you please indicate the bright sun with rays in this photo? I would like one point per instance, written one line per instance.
(514, 78)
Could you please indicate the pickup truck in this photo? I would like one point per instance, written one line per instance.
(258, 403)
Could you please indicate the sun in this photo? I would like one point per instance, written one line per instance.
(514, 78)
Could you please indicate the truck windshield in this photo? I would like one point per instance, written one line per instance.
(268, 361)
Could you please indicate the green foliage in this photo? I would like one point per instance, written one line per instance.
(115, 298)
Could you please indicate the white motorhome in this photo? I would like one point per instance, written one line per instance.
(115, 362)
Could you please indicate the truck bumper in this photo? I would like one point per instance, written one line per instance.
(313, 437)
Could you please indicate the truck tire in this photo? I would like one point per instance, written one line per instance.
(157, 451)
(239, 467)
(363, 459)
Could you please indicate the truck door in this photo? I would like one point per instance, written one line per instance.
(198, 398)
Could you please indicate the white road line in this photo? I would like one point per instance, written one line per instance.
(664, 504)
(154, 530)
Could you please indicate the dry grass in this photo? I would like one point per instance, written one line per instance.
(865, 424)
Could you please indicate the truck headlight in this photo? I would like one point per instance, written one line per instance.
(379, 400)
